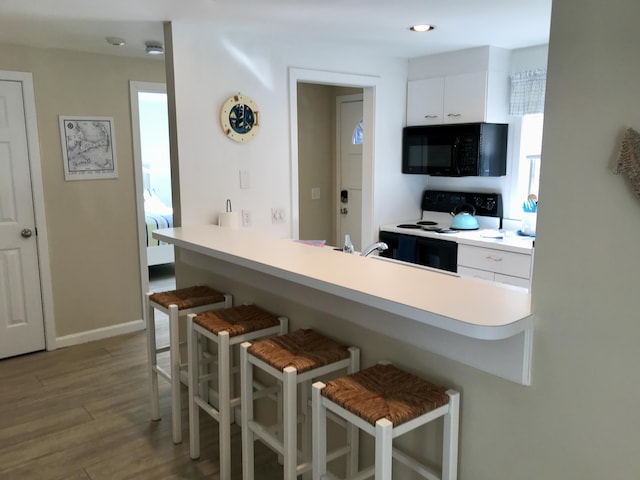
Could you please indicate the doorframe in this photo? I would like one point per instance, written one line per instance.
(338, 160)
(135, 88)
(369, 85)
(37, 193)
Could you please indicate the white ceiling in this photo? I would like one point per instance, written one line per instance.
(381, 25)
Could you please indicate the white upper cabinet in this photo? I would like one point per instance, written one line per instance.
(425, 101)
(465, 98)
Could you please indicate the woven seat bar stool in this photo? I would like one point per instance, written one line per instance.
(386, 402)
(294, 360)
(225, 328)
(177, 304)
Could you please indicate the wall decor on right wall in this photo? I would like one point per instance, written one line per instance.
(629, 159)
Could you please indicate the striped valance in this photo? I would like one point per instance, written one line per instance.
(527, 92)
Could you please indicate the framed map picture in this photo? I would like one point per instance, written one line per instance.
(88, 148)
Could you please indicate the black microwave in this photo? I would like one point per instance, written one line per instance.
(456, 150)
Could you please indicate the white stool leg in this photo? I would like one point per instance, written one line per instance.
(353, 433)
(228, 300)
(319, 441)
(305, 441)
(224, 407)
(246, 401)
(384, 449)
(152, 357)
(290, 422)
(284, 328)
(450, 438)
(174, 356)
(193, 368)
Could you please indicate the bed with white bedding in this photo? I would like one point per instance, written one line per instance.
(157, 215)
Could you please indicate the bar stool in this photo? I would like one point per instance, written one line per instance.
(293, 359)
(176, 304)
(225, 328)
(386, 402)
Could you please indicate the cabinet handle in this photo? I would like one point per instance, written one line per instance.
(431, 116)
(493, 259)
(455, 115)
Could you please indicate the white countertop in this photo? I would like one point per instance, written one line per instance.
(475, 309)
(510, 241)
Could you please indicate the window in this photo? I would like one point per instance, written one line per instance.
(358, 133)
(526, 107)
(528, 170)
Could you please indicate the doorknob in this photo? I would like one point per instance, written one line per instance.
(26, 232)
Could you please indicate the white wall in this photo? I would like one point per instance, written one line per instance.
(210, 66)
(586, 374)
(579, 419)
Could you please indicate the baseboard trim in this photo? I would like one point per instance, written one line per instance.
(99, 333)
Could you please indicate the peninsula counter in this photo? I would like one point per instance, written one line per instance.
(482, 324)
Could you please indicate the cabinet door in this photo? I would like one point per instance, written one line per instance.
(425, 101)
(465, 98)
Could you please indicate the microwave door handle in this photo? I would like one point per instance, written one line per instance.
(455, 154)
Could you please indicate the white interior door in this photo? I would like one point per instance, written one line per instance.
(349, 170)
(21, 317)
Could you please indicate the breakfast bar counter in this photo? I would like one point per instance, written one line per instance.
(485, 325)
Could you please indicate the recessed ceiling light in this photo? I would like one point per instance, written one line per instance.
(421, 28)
(154, 48)
(116, 41)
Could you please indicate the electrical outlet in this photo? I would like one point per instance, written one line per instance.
(246, 218)
(315, 193)
(277, 215)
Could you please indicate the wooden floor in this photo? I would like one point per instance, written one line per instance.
(82, 412)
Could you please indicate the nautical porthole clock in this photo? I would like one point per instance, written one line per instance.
(239, 118)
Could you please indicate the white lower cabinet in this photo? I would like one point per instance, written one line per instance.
(494, 265)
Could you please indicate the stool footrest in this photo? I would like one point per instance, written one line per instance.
(267, 435)
(162, 372)
(420, 468)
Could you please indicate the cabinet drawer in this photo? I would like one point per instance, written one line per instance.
(475, 273)
(508, 279)
(498, 261)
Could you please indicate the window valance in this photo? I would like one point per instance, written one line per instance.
(527, 92)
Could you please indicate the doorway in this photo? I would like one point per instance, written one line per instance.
(365, 84)
(321, 146)
(150, 134)
(349, 138)
(26, 306)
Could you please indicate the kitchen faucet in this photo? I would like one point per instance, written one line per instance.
(348, 246)
(380, 246)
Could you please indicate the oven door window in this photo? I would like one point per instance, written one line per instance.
(434, 253)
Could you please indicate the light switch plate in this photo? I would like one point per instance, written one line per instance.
(315, 193)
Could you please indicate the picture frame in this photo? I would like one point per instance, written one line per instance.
(88, 147)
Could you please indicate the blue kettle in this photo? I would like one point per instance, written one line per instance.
(464, 218)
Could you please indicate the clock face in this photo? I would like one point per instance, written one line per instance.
(239, 118)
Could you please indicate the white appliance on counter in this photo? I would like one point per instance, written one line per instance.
(486, 252)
